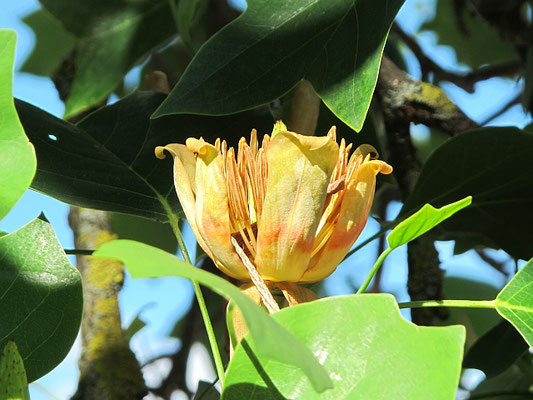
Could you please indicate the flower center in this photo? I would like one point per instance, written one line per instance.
(246, 179)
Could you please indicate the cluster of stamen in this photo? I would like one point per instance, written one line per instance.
(246, 179)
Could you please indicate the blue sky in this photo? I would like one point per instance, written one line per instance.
(161, 301)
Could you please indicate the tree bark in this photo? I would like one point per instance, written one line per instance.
(108, 368)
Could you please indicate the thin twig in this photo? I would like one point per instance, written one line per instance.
(497, 265)
(464, 81)
(259, 283)
(515, 100)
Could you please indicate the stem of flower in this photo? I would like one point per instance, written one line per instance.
(201, 303)
(449, 303)
(373, 271)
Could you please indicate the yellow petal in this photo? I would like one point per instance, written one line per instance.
(353, 215)
(239, 323)
(295, 294)
(299, 169)
(212, 213)
(185, 183)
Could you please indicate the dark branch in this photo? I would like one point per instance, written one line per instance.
(464, 81)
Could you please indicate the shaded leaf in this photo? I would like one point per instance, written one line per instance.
(512, 384)
(144, 230)
(52, 44)
(109, 166)
(369, 350)
(189, 14)
(206, 391)
(13, 382)
(476, 321)
(422, 221)
(272, 340)
(474, 41)
(515, 302)
(497, 350)
(493, 166)
(336, 45)
(17, 156)
(107, 161)
(113, 37)
(135, 326)
(41, 297)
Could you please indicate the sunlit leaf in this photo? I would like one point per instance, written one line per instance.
(515, 302)
(13, 382)
(17, 156)
(422, 221)
(271, 340)
(368, 348)
(40, 297)
(336, 45)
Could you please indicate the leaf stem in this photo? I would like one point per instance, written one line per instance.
(449, 303)
(79, 252)
(374, 269)
(201, 303)
(384, 228)
(174, 12)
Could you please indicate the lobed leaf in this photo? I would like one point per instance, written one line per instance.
(52, 44)
(515, 302)
(493, 166)
(422, 221)
(270, 339)
(17, 156)
(107, 161)
(13, 382)
(367, 347)
(40, 294)
(112, 37)
(336, 45)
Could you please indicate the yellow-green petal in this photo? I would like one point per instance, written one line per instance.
(299, 169)
(353, 215)
(212, 213)
(184, 183)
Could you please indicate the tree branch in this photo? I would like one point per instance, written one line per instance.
(419, 102)
(464, 81)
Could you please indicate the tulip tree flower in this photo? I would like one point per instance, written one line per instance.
(295, 205)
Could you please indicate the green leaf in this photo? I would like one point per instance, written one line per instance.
(144, 230)
(17, 156)
(496, 351)
(370, 351)
(41, 298)
(493, 166)
(136, 325)
(272, 340)
(512, 384)
(189, 14)
(476, 321)
(336, 45)
(52, 44)
(422, 221)
(515, 302)
(206, 391)
(107, 161)
(13, 382)
(113, 37)
(474, 41)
